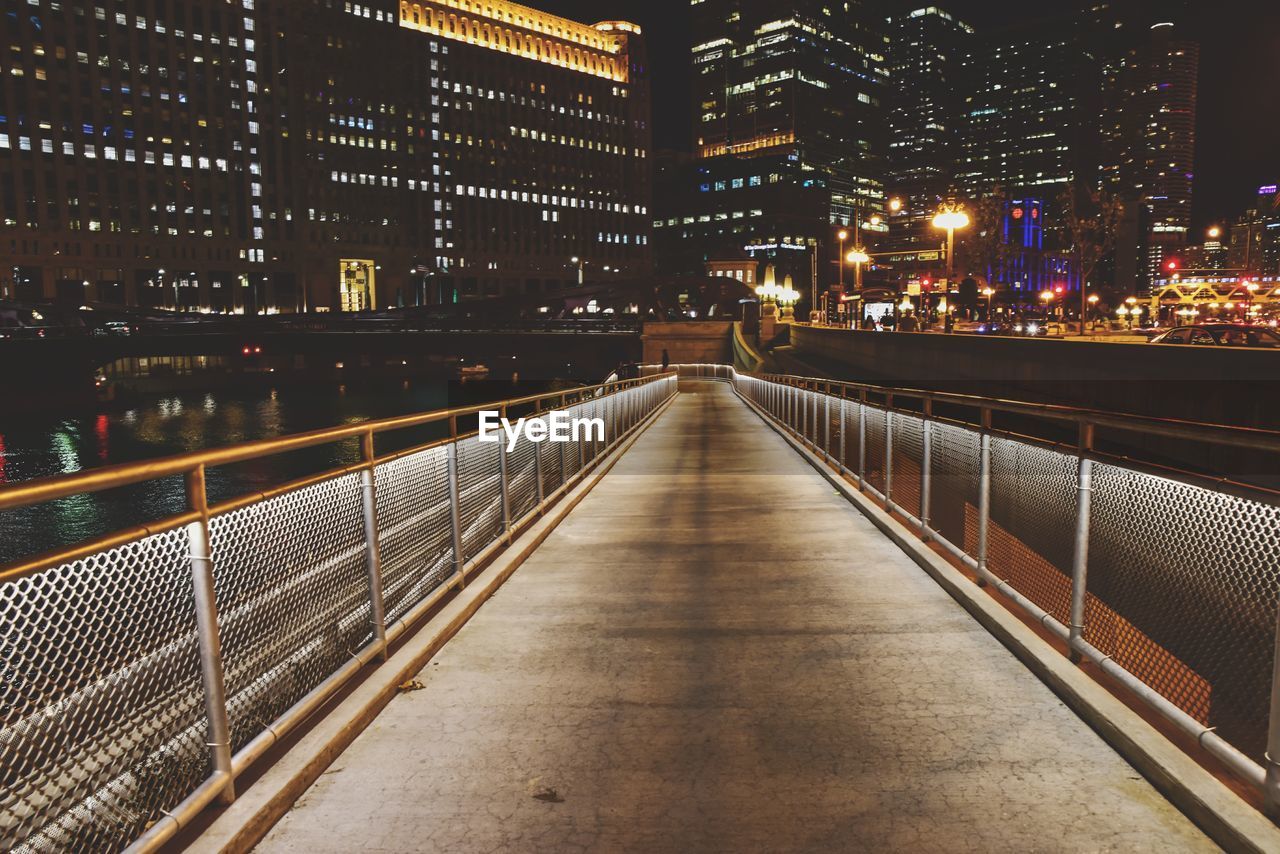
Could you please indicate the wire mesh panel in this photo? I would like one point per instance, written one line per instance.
(851, 437)
(1183, 585)
(1033, 511)
(553, 469)
(908, 461)
(293, 597)
(102, 723)
(955, 468)
(874, 428)
(479, 494)
(413, 528)
(522, 478)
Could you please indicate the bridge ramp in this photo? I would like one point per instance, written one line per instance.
(716, 652)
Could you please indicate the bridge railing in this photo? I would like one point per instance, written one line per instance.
(142, 672)
(1166, 580)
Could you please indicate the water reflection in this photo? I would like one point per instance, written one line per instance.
(32, 446)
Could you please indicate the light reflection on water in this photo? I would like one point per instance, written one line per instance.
(33, 446)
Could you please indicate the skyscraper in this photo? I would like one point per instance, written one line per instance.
(926, 54)
(1149, 137)
(788, 93)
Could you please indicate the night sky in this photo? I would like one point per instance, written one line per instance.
(1238, 143)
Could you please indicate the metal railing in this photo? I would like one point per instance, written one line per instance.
(144, 671)
(1166, 580)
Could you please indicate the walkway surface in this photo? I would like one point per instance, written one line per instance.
(716, 652)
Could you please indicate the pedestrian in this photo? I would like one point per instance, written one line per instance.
(666, 360)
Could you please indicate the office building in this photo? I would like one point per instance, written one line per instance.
(318, 154)
(789, 132)
(926, 53)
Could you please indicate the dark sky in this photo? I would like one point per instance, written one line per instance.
(1238, 142)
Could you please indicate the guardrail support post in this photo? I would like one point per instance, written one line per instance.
(826, 424)
(373, 549)
(926, 470)
(843, 421)
(505, 490)
(1271, 759)
(537, 462)
(455, 499)
(888, 454)
(210, 642)
(1080, 552)
(862, 439)
(984, 495)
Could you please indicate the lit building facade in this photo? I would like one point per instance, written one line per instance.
(1149, 138)
(926, 53)
(789, 100)
(318, 154)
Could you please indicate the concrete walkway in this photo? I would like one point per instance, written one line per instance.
(715, 652)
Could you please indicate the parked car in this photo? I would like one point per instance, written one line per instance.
(1221, 335)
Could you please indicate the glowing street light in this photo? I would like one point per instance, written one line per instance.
(1214, 232)
(857, 257)
(951, 218)
(895, 205)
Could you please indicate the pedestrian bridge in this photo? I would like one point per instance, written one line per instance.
(749, 618)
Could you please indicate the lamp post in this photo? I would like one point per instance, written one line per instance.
(951, 218)
(857, 257)
(842, 236)
(1093, 305)
(582, 267)
(989, 293)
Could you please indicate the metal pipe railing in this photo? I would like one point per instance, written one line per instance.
(227, 601)
(771, 395)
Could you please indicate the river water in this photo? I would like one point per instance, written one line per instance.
(42, 445)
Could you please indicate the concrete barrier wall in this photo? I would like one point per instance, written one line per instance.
(689, 342)
(1223, 385)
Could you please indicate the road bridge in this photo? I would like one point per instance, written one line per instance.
(746, 619)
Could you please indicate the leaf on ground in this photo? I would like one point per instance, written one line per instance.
(411, 685)
(551, 796)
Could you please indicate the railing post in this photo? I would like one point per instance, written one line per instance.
(210, 643)
(537, 461)
(1271, 759)
(373, 549)
(888, 453)
(1080, 553)
(926, 469)
(984, 496)
(844, 394)
(862, 439)
(826, 424)
(455, 500)
(564, 461)
(504, 489)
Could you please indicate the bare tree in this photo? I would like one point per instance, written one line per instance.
(1092, 218)
(987, 251)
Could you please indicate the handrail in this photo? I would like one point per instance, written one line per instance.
(41, 490)
(1201, 431)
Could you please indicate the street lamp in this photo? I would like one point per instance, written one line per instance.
(857, 257)
(1093, 304)
(989, 293)
(951, 218)
(895, 205)
(582, 264)
(842, 236)
(1214, 232)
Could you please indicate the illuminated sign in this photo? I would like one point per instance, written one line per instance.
(764, 247)
(1267, 190)
(1017, 213)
